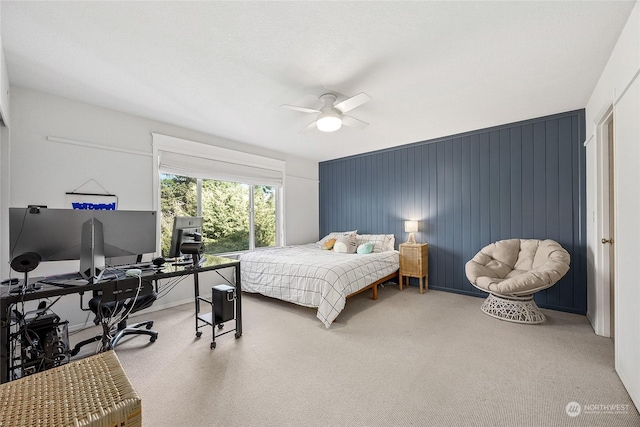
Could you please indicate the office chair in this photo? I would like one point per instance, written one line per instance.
(110, 303)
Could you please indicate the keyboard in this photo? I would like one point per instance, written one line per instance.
(141, 266)
(65, 280)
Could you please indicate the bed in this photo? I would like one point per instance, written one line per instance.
(311, 276)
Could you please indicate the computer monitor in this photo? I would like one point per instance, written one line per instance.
(90, 236)
(186, 229)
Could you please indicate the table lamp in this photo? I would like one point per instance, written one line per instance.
(411, 227)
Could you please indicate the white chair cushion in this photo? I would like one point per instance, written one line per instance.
(518, 266)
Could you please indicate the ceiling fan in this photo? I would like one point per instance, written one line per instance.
(331, 116)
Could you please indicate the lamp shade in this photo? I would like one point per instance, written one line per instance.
(328, 123)
(410, 226)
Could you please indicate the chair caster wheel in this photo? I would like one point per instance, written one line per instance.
(238, 335)
(220, 325)
(153, 339)
(198, 334)
(213, 345)
(149, 325)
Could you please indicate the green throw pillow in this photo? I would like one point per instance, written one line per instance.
(365, 248)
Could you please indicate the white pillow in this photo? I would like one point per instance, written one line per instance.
(345, 244)
(335, 235)
(381, 242)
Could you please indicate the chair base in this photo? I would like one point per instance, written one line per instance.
(135, 330)
(520, 309)
(121, 331)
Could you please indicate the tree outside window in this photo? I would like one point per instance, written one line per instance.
(264, 202)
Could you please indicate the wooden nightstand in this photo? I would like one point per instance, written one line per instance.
(414, 262)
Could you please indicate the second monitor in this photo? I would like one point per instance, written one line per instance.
(186, 238)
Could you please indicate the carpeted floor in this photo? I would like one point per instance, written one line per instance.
(407, 359)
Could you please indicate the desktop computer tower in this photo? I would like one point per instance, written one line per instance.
(223, 297)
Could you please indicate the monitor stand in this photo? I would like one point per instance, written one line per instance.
(92, 262)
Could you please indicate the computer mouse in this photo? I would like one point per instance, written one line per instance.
(158, 261)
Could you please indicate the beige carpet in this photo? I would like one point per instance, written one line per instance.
(407, 359)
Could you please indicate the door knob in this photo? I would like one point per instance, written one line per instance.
(604, 241)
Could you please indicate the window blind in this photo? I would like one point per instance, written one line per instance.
(197, 160)
(198, 167)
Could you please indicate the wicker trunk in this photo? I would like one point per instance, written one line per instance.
(89, 392)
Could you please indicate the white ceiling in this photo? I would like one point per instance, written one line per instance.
(224, 68)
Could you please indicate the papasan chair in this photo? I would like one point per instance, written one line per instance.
(511, 271)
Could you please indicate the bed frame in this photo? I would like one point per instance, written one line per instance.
(374, 285)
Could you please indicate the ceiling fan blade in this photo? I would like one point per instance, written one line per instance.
(311, 125)
(351, 103)
(353, 122)
(304, 110)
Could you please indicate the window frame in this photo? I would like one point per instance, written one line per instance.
(197, 150)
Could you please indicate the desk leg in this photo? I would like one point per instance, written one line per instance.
(5, 331)
(238, 303)
(196, 290)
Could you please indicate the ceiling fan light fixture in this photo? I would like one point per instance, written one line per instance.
(328, 123)
(330, 117)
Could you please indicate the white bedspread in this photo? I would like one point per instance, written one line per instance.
(312, 277)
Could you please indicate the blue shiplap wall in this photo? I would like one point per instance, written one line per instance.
(521, 180)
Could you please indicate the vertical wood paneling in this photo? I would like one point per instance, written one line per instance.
(522, 180)
(485, 187)
(494, 185)
(465, 229)
(515, 197)
(539, 181)
(432, 230)
(474, 203)
(441, 216)
(451, 197)
(385, 210)
(527, 181)
(505, 184)
(397, 195)
(413, 185)
(426, 192)
(565, 204)
(551, 178)
(552, 196)
(456, 218)
(380, 193)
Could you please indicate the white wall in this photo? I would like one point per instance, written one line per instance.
(4, 200)
(42, 171)
(4, 157)
(619, 86)
(304, 226)
(4, 85)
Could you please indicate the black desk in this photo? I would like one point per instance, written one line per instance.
(7, 301)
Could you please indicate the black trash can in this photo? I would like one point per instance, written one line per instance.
(223, 297)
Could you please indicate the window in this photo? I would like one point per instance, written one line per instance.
(238, 194)
(264, 215)
(237, 217)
